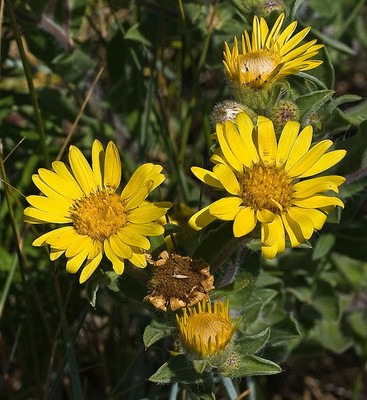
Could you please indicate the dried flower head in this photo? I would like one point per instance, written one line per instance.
(178, 282)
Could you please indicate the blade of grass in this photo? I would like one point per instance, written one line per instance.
(28, 76)
(8, 282)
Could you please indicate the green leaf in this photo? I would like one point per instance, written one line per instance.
(353, 271)
(179, 369)
(252, 344)
(325, 300)
(218, 245)
(100, 279)
(356, 151)
(285, 330)
(358, 113)
(135, 35)
(323, 246)
(311, 102)
(200, 365)
(254, 365)
(157, 245)
(156, 331)
(358, 323)
(329, 334)
(74, 66)
(240, 289)
(336, 44)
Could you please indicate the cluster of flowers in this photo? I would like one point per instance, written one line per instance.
(266, 172)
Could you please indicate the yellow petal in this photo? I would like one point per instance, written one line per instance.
(286, 34)
(273, 238)
(40, 217)
(292, 43)
(62, 240)
(132, 238)
(90, 266)
(293, 230)
(286, 141)
(98, 160)
(325, 162)
(227, 178)
(301, 218)
(317, 217)
(246, 128)
(201, 219)
(55, 254)
(237, 145)
(112, 167)
(45, 189)
(321, 184)
(117, 262)
(207, 177)
(147, 172)
(74, 263)
(227, 152)
(66, 187)
(310, 158)
(79, 245)
(138, 260)
(274, 33)
(265, 216)
(148, 229)
(59, 206)
(59, 232)
(82, 171)
(244, 222)
(137, 199)
(300, 147)
(318, 201)
(121, 249)
(149, 212)
(226, 208)
(267, 143)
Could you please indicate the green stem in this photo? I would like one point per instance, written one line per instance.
(28, 76)
(229, 387)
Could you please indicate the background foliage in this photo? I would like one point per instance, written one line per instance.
(147, 74)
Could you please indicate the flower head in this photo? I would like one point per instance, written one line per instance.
(98, 219)
(178, 282)
(206, 329)
(269, 182)
(269, 55)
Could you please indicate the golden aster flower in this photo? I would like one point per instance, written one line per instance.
(178, 282)
(269, 55)
(269, 182)
(205, 329)
(98, 220)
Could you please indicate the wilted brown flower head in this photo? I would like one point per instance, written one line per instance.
(178, 282)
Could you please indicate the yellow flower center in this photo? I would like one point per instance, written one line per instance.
(256, 67)
(99, 215)
(206, 331)
(266, 187)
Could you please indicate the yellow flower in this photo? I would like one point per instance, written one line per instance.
(268, 182)
(99, 220)
(207, 329)
(269, 55)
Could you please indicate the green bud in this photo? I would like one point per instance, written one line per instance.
(284, 111)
